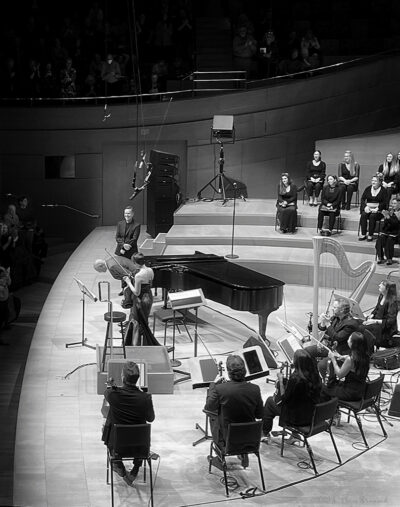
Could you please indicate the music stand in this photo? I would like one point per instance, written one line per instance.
(85, 292)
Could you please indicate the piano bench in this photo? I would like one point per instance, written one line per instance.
(167, 317)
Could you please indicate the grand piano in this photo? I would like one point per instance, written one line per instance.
(222, 281)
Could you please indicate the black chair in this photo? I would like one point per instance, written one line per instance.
(129, 441)
(168, 317)
(321, 421)
(242, 438)
(370, 400)
(338, 222)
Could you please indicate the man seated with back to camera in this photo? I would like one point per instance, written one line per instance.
(337, 330)
(128, 405)
(233, 401)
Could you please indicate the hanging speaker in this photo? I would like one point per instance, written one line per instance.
(222, 127)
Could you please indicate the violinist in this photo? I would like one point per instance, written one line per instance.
(337, 330)
(389, 233)
(232, 401)
(128, 405)
(298, 398)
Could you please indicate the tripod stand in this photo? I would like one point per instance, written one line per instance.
(85, 292)
(220, 182)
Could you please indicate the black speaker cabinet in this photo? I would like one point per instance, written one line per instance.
(163, 195)
(394, 409)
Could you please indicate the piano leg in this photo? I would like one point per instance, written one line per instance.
(262, 325)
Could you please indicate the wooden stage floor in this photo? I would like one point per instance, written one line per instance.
(60, 459)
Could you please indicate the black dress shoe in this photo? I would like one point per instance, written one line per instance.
(347, 207)
(380, 261)
(362, 238)
(244, 460)
(369, 239)
(389, 262)
(121, 293)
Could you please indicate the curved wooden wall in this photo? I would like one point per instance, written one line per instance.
(276, 129)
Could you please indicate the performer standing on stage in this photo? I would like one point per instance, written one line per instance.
(128, 231)
(141, 288)
(234, 401)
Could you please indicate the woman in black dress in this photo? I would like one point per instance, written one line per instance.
(330, 204)
(294, 402)
(352, 374)
(287, 204)
(315, 177)
(390, 175)
(373, 201)
(349, 172)
(382, 322)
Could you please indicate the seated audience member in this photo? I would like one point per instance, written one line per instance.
(128, 405)
(310, 49)
(348, 380)
(390, 175)
(294, 402)
(244, 50)
(315, 177)
(27, 221)
(11, 219)
(5, 282)
(373, 201)
(330, 205)
(337, 330)
(287, 204)
(389, 233)
(7, 246)
(234, 401)
(382, 322)
(68, 80)
(111, 74)
(349, 172)
(292, 64)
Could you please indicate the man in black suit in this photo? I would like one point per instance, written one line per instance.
(232, 401)
(128, 405)
(128, 231)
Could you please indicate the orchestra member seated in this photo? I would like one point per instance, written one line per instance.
(382, 322)
(337, 331)
(294, 402)
(235, 401)
(389, 233)
(128, 405)
(348, 380)
(315, 177)
(349, 171)
(389, 171)
(330, 204)
(373, 201)
(287, 204)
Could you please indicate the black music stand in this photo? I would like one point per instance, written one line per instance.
(85, 292)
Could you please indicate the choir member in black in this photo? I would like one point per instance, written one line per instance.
(390, 175)
(373, 201)
(330, 204)
(382, 322)
(349, 172)
(352, 374)
(287, 204)
(315, 177)
(295, 401)
(389, 233)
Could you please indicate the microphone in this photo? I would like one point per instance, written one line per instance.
(49, 205)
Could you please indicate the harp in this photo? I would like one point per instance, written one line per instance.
(355, 280)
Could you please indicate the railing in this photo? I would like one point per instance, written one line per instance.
(237, 84)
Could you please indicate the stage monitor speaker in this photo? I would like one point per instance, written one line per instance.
(268, 355)
(394, 409)
(223, 127)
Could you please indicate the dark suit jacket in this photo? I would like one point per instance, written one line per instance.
(234, 402)
(128, 405)
(127, 233)
(339, 331)
(115, 269)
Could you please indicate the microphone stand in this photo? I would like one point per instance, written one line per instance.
(232, 255)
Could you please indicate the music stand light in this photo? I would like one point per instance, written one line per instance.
(85, 292)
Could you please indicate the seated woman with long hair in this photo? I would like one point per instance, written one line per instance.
(352, 374)
(315, 177)
(349, 172)
(294, 402)
(287, 204)
(330, 204)
(382, 322)
(390, 175)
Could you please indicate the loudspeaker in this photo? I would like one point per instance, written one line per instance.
(394, 409)
(268, 355)
(223, 127)
(163, 195)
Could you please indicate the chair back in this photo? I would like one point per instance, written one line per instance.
(131, 440)
(323, 412)
(372, 391)
(243, 438)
